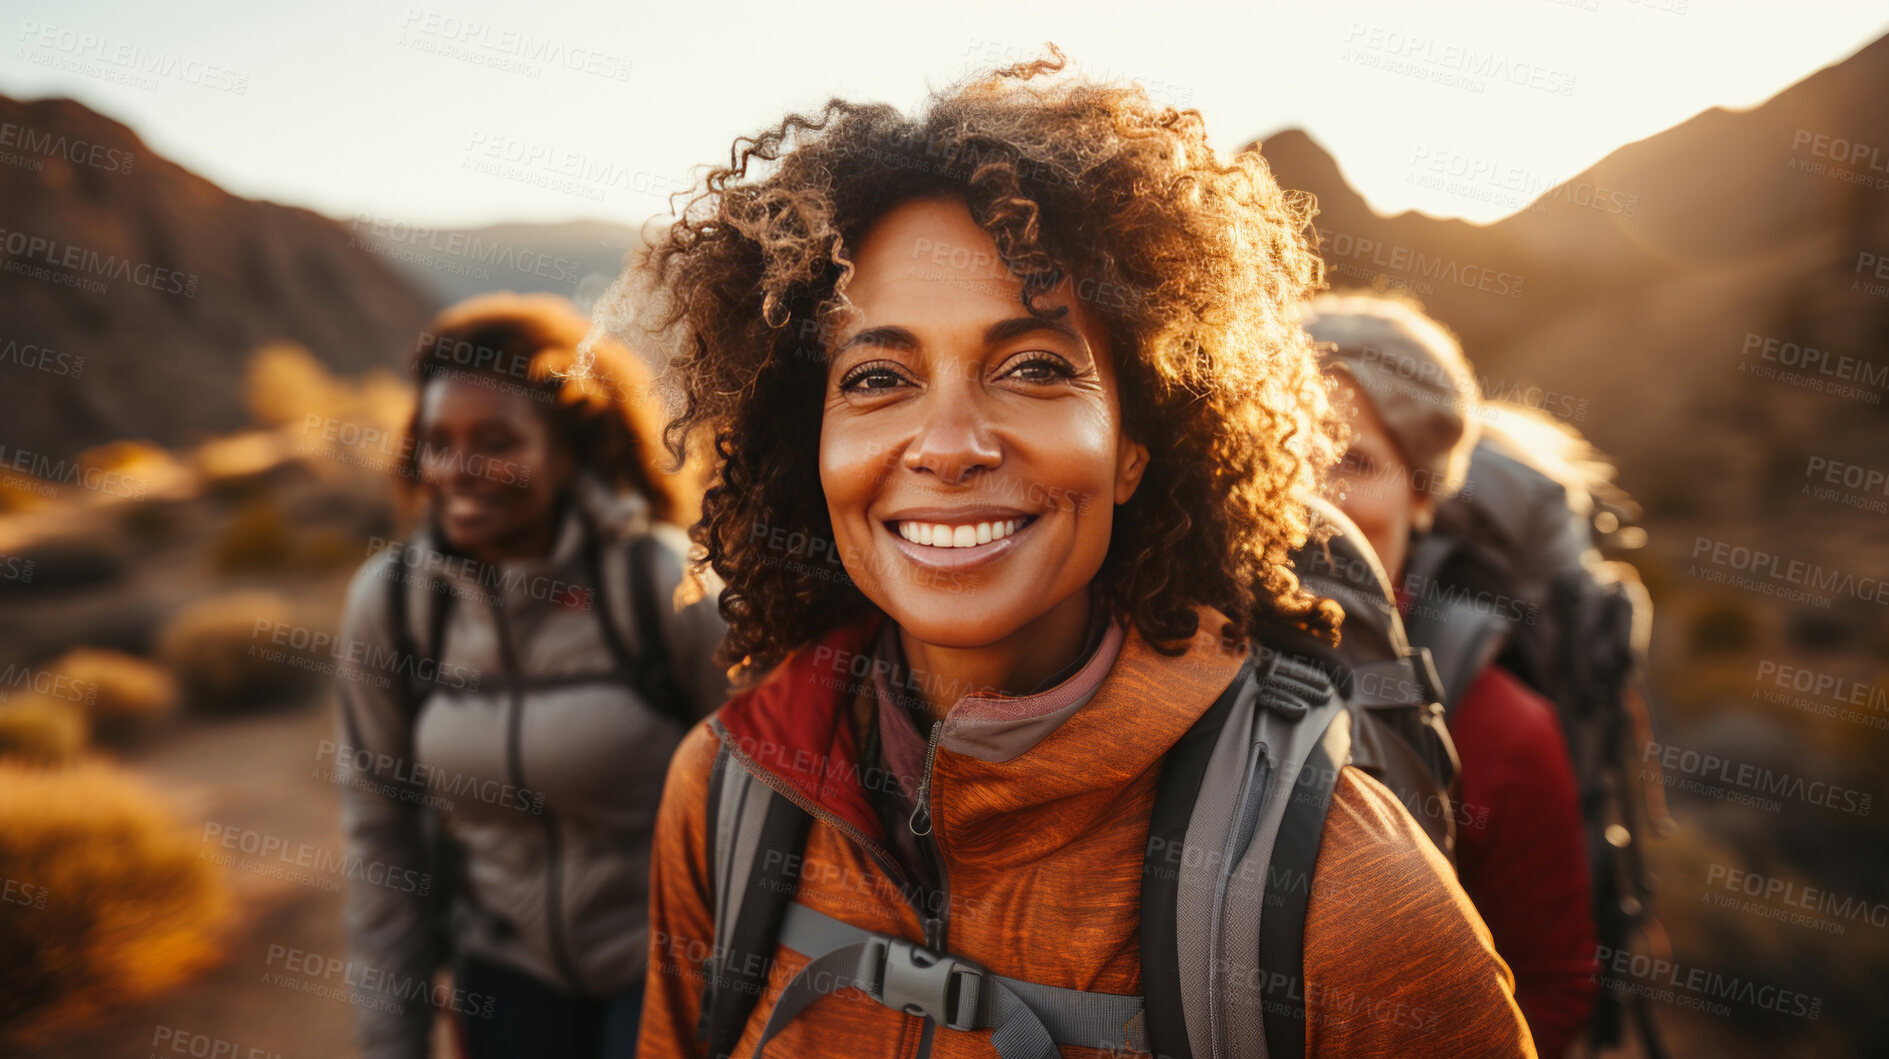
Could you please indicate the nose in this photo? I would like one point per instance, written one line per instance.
(952, 439)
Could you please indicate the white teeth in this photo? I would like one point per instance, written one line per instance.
(940, 535)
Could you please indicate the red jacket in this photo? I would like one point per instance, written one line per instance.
(1522, 854)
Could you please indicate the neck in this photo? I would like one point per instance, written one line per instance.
(1015, 665)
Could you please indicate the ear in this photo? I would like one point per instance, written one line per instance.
(1423, 513)
(1131, 460)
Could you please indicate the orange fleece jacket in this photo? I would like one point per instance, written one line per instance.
(1044, 856)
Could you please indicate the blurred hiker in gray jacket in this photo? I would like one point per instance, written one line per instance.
(518, 676)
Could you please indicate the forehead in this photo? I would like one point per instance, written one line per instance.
(458, 397)
(925, 248)
(1367, 427)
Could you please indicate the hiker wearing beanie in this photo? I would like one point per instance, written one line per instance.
(1012, 435)
(1413, 409)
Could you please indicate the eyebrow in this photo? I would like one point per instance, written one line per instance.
(894, 337)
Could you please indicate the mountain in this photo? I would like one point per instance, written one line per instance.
(132, 290)
(1662, 300)
(578, 259)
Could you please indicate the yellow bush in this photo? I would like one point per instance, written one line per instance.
(40, 729)
(108, 901)
(127, 695)
(257, 538)
(239, 652)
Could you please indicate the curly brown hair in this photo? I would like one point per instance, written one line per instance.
(601, 402)
(1197, 268)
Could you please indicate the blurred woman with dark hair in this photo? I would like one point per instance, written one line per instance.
(518, 678)
(1013, 427)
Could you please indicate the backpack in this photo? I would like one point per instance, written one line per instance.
(1245, 791)
(1399, 737)
(647, 670)
(1511, 573)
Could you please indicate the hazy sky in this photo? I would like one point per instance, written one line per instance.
(471, 113)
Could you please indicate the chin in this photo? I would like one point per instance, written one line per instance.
(949, 620)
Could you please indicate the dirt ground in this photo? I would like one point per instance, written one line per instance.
(258, 774)
(255, 774)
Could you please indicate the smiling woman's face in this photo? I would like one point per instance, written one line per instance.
(971, 454)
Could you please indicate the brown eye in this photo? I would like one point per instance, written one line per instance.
(876, 376)
(1041, 366)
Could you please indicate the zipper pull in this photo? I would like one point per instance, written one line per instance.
(923, 809)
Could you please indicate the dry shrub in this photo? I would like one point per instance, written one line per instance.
(128, 695)
(40, 729)
(237, 653)
(120, 908)
(257, 538)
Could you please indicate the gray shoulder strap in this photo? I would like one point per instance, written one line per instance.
(1029, 1020)
(1256, 772)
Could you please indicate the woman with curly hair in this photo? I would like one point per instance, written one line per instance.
(517, 683)
(1013, 425)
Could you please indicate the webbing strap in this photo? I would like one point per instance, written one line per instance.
(1029, 1020)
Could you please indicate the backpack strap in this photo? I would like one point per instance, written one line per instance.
(1248, 802)
(1238, 815)
(754, 842)
(647, 665)
(1028, 1020)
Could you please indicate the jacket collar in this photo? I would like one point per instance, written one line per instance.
(796, 729)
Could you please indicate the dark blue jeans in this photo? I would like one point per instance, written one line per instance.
(530, 1018)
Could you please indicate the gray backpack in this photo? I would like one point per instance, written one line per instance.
(1245, 791)
(1511, 573)
(1398, 733)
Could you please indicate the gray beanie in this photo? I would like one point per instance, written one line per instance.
(1413, 371)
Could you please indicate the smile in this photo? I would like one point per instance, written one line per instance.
(964, 535)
